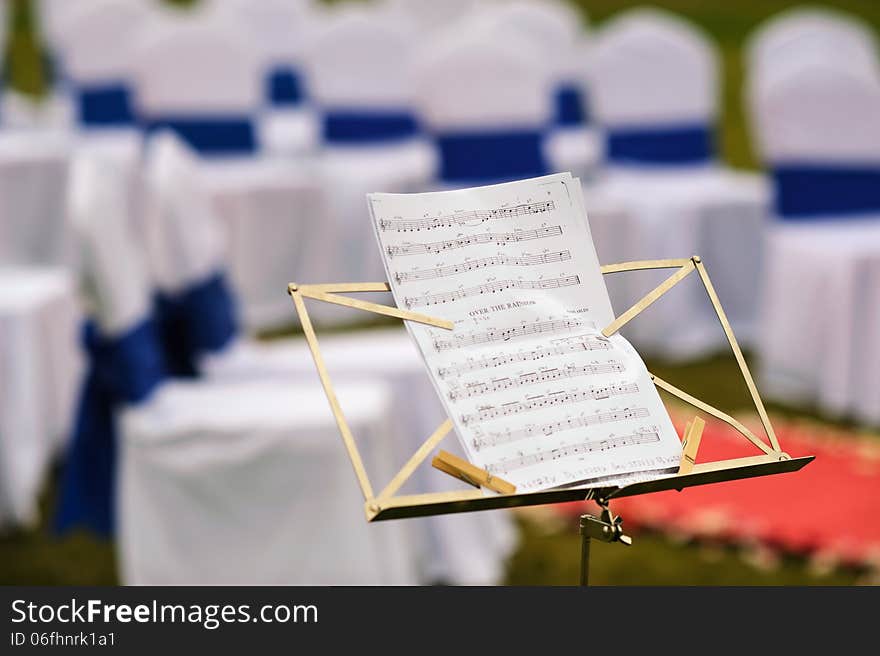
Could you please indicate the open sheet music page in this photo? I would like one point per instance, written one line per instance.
(537, 395)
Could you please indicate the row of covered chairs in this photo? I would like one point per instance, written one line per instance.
(814, 98)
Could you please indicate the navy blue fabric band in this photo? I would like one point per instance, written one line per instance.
(672, 145)
(201, 319)
(210, 135)
(284, 86)
(105, 105)
(491, 156)
(810, 191)
(571, 106)
(121, 370)
(361, 126)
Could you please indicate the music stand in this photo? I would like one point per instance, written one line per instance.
(607, 527)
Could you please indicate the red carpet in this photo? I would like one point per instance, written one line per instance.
(830, 509)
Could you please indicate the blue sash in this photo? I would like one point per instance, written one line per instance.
(211, 135)
(201, 319)
(121, 370)
(662, 145)
(571, 106)
(284, 87)
(361, 126)
(105, 105)
(806, 192)
(480, 157)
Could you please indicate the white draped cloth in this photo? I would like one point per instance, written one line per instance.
(40, 370)
(246, 498)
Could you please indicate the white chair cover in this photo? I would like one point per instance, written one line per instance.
(186, 252)
(39, 372)
(201, 81)
(822, 140)
(798, 37)
(654, 89)
(358, 68)
(433, 16)
(559, 42)
(795, 32)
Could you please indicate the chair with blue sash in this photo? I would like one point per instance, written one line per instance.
(559, 42)
(194, 478)
(487, 106)
(821, 309)
(655, 88)
(187, 261)
(204, 81)
(358, 68)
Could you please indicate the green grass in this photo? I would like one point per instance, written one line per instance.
(550, 556)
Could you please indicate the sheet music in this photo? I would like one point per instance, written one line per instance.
(537, 395)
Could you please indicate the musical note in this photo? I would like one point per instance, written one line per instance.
(548, 429)
(590, 446)
(499, 239)
(465, 218)
(489, 288)
(473, 265)
(479, 388)
(494, 335)
(572, 345)
(547, 401)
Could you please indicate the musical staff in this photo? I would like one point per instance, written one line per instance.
(489, 288)
(465, 218)
(548, 401)
(494, 335)
(548, 429)
(473, 265)
(573, 345)
(479, 388)
(591, 446)
(499, 239)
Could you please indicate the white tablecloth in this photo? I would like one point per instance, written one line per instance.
(40, 369)
(250, 484)
(468, 548)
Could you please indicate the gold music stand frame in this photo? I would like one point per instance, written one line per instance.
(388, 505)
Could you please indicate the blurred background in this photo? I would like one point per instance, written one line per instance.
(166, 168)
